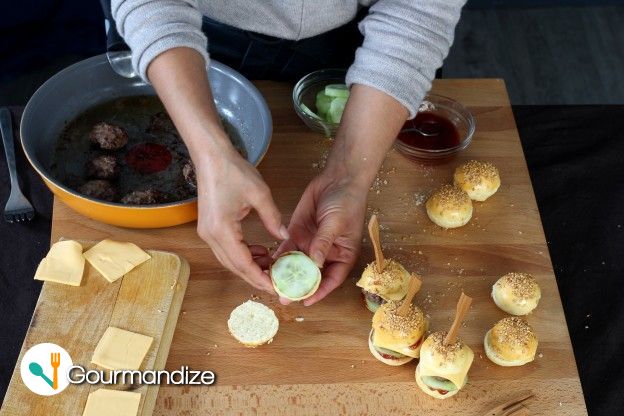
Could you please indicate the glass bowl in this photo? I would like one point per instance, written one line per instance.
(454, 112)
(304, 94)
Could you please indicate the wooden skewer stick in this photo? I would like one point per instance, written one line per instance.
(373, 232)
(462, 308)
(412, 289)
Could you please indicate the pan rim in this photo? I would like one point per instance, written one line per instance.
(100, 59)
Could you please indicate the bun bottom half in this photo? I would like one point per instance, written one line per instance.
(433, 393)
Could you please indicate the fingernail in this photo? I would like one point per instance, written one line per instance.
(284, 232)
(317, 258)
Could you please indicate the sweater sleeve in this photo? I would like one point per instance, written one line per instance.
(150, 27)
(405, 41)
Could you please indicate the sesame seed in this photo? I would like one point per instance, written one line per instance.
(523, 285)
(513, 331)
(404, 325)
(392, 273)
(449, 196)
(447, 351)
(475, 172)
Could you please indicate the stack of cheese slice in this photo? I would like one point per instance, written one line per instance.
(65, 261)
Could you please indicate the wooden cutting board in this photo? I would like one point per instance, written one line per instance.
(147, 301)
(322, 365)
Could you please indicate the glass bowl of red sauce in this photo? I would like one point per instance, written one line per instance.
(441, 129)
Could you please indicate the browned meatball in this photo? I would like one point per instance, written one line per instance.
(147, 197)
(108, 136)
(103, 167)
(188, 170)
(99, 189)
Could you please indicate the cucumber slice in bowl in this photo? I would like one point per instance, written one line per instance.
(337, 90)
(322, 104)
(295, 276)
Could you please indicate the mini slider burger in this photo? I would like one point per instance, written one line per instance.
(445, 360)
(398, 329)
(511, 342)
(516, 293)
(384, 279)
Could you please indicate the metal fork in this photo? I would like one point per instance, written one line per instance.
(514, 407)
(17, 208)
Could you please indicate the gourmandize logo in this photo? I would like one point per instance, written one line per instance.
(44, 369)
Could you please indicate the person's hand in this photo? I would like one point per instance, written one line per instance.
(228, 187)
(327, 225)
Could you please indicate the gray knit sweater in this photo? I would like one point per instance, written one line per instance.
(405, 41)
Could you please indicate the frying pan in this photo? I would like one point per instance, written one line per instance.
(91, 82)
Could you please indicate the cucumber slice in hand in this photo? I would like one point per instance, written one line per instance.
(439, 383)
(337, 90)
(295, 276)
(322, 103)
(336, 109)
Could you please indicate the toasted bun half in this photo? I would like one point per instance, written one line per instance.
(295, 276)
(393, 362)
(480, 180)
(390, 284)
(399, 333)
(510, 343)
(429, 391)
(516, 293)
(449, 207)
(253, 324)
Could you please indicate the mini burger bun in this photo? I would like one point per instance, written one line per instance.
(480, 180)
(433, 393)
(390, 284)
(516, 293)
(397, 362)
(253, 324)
(517, 347)
(449, 207)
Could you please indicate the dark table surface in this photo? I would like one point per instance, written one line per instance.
(576, 161)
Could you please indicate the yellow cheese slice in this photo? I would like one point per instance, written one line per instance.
(455, 372)
(64, 263)
(113, 259)
(103, 402)
(384, 340)
(121, 350)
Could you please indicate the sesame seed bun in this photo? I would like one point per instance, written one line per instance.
(447, 360)
(398, 333)
(393, 362)
(390, 284)
(449, 207)
(253, 324)
(516, 293)
(480, 180)
(511, 342)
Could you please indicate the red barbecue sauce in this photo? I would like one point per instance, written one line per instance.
(148, 158)
(429, 122)
(417, 343)
(387, 356)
